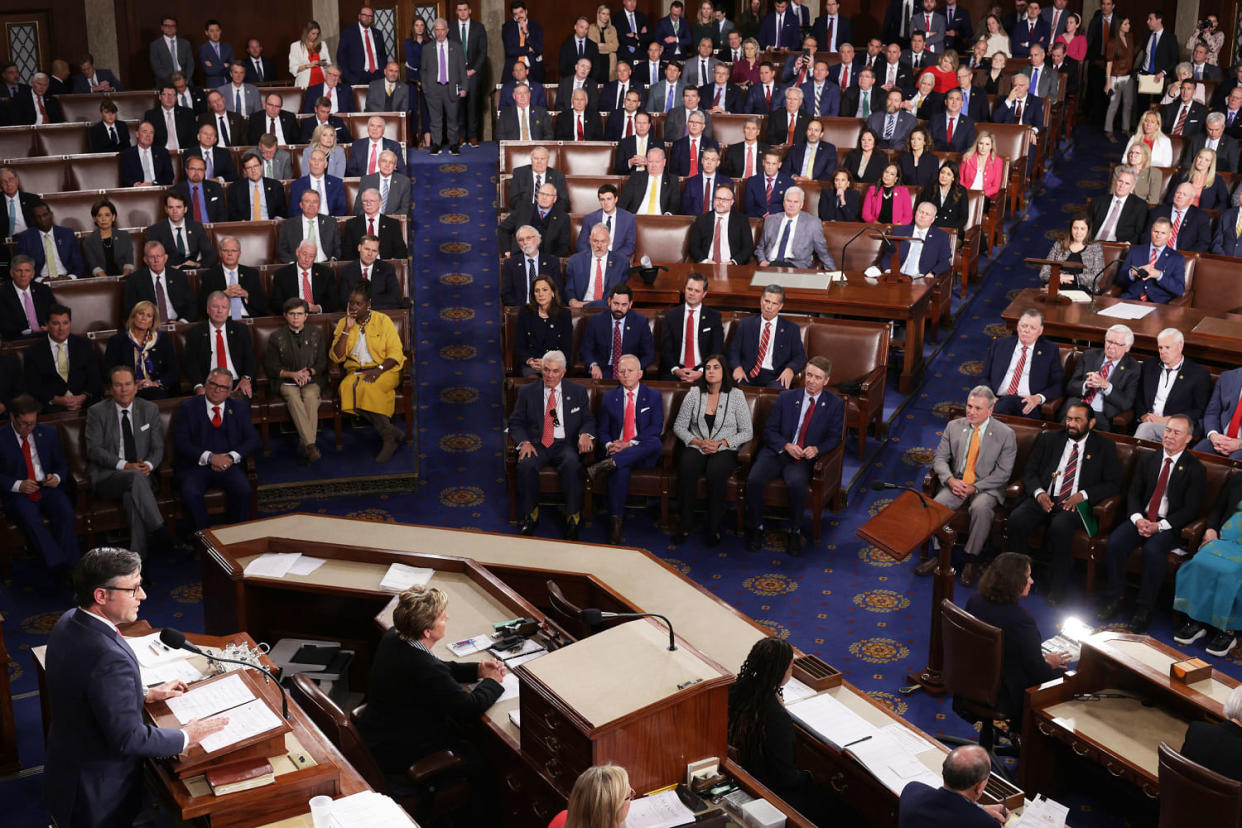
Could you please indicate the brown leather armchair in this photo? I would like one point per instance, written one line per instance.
(973, 652)
(859, 354)
(1192, 796)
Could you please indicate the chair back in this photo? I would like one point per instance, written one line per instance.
(972, 655)
(1192, 795)
(338, 727)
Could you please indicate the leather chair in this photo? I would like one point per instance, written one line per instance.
(727, 129)
(584, 191)
(96, 303)
(663, 238)
(40, 175)
(587, 158)
(567, 614)
(62, 139)
(1013, 143)
(863, 251)
(1191, 795)
(15, 142)
(290, 96)
(258, 239)
(438, 778)
(353, 186)
(973, 654)
(94, 172)
(85, 106)
(842, 132)
(1216, 286)
(859, 354)
(135, 207)
(514, 154)
(395, 123)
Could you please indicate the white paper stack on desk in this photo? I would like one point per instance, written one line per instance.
(247, 715)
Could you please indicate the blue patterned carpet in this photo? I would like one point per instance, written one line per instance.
(846, 601)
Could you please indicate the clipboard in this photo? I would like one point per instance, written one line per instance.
(1149, 84)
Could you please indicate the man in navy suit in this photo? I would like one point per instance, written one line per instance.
(577, 47)
(632, 151)
(832, 29)
(974, 98)
(523, 41)
(45, 236)
(845, 73)
(213, 436)
(952, 130)
(779, 28)
(367, 150)
(610, 335)
(271, 193)
(218, 159)
(586, 268)
(551, 423)
(323, 115)
(258, 68)
(820, 85)
(933, 254)
(804, 424)
(521, 77)
(1165, 492)
(765, 193)
(766, 350)
(205, 197)
(685, 153)
(1030, 30)
(1171, 384)
(316, 179)
(1024, 370)
(1228, 239)
(631, 31)
(220, 341)
(698, 193)
(673, 33)
(631, 425)
(518, 271)
(1153, 272)
(1194, 227)
(622, 122)
(620, 224)
(813, 159)
(720, 96)
(61, 370)
(766, 95)
(92, 78)
(24, 303)
(361, 53)
(32, 473)
(1020, 107)
(691, 333)
(965, 772)
(99, 739)
(1221, 418)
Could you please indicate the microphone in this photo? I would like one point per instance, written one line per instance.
(592, 617)
(1099, 277)
(175, 639)
(846, 246)
(880, 485)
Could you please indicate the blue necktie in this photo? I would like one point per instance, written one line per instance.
(784, 240)
(1151, 58)
(668, 104)
(238, 104)
(235, 302)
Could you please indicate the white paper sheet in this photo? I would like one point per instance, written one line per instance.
(470, 646)
(181, 669)
(368, 810)
(908, 739)
(400, 577)
(832, 721)
(515, 716)
(889, 761)
(1043, 813)
(305, 565)
(151, 651)
(272, 564)
(510, 683)
(795, 691)
(522, 659)
(210, 698)
(250, 719)
(662, 810)
(1127, 310)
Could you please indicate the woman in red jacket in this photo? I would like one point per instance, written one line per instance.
(886, 202)
(982, 168)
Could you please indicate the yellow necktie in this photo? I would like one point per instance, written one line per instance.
(62, 362)
(50, 253)
(810, 161)
(653, 201)
(1237, 228)
(525, 127)
(972, 454)
(256, 210)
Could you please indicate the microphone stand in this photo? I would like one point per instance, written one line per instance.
(847, 244)
(880, 485)
(591, 617)
(186, 645)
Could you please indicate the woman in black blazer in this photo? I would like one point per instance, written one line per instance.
(148, 350)
(917, 164)
(842, 202)
(1218, 745)
(542, 326)
(1023, 662)
(867, 161)
(951, 199)
(417, 704)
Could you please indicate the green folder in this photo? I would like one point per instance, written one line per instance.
(1089, 521)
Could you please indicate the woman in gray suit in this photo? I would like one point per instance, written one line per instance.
(324, 138)
(1077, 248)
(713, 423)
(107, 251)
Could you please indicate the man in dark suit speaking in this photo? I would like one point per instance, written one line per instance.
(213, 435)
(98, 738)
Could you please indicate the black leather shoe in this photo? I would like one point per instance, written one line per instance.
(614, 531)
(1108, 611)
(754, 540)
(970, 574)
(927, 567)
(793, 545)
(455, 149)
(529, 523)
(1140, 622)
(435, 149)
(571, 530)
(598, 472)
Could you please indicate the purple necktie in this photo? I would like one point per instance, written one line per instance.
(32, 318)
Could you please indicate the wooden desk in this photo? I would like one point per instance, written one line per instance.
(1121, 734)
(1079, 321)
(728, 287)
(622, 580)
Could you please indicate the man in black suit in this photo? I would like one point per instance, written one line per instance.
(622, 122)
(612, 95)
(369, 267)
(1065, 468)
(292, 281)
(258, 68)
(243, 205)
(1194, 227)
(24, 303)
(182, 119)
(323, 115)
(205, 197)
(578, 123)
(204, 341)
(653, 191)
(1106, 379)
(682, 356)
(166, 286)
(527, 261)
(632, 151)
(185, 239)
(16, 205)
(720, 96)
(722, 231)
(1165, 492)
(146, 163)
(649, 72)
(60, 370)
(372, 222)
(792, 116)
(231, 128)
(1066, 66)
(894, 73)
(1185, 116)
(551, 423)
(745, 156)
(863, 97)
(522, 116)
(37, 106)
(528, 178)
(577, 47)
(240, 284)
(546, 216)
(1213, 137)
(189, 95)
(1120, 216)
(1171, 384)
(273, 120)
(218, 159)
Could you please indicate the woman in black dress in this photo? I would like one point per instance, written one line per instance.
(950, 197)
(542, 326)
(842, 202)
(866, 162)
(917, 164)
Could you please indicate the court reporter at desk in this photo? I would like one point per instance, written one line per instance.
(98, 738)
(417, 704)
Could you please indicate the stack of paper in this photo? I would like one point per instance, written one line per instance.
(400, 577)
(794, 690)
(831, 721)
(662, 810)
(368, 810)
(272, 565)
(246, 720)
(889, 761)
(210, 698)
(1043, 813)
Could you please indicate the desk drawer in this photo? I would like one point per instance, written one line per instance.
(552, 742)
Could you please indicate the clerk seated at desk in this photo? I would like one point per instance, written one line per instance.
(1218, 745)
(417, 705)
(955, 804)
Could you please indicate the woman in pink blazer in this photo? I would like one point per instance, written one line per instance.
(982, 169)
(887, 203)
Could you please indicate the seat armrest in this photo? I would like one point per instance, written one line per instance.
(1193, 532)
(1123, 421)
(877, 374)
(931, 484)
(1106, 511)
(437, 764)
(1014, 490)
(746, 453)
(1048, 410)
(668, 449)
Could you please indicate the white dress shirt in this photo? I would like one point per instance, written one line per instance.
(1024, 382)
(205, 457)
(698, 323)
(1163, 508)
(168, 313)
(770, 325)
(720, 220)
(1058, 477)
(1164, 384)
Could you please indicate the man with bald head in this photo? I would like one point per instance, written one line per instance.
(389, 93)
(364, 157)
(373, 222)
(955, 804)
(1190, 227)
(304, 279)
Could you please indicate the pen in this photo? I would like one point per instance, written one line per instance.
(856, 741)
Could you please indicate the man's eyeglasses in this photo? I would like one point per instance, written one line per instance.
(220, 386)
(133, 591)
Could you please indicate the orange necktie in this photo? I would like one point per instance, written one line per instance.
(972, 454)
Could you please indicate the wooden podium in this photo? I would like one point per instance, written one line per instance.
(1053, 296)
(894, 275)
(902, 526)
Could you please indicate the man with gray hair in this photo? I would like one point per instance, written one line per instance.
(1171, 384)
(965, 773)
(518, 272)
(973, 463)
(1106, 379)
(444, 85)
(793, 238)
(1213, 137)
(1121, 215)
(37, 106)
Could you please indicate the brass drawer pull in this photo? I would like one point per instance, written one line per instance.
(1083, 752)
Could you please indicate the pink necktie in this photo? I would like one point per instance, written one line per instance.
(32, 318)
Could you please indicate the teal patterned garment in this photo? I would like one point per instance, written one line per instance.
(1209, 585)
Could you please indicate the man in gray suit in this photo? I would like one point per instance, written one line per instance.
(308, 224)
(444, 85)
(389, 93)
(675, 120)
(1105, 379)
(701, 69)
(975, 479)
(392, 187)
(124, 447)
(276, 162)
(658, 98)
(1049, 81)
(790, 238)
(932, 24)
(240, 93)
(170, 53)
(894, 124)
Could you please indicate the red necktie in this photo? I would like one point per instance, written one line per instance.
(948, 130)
(221, 355)
(1177, 223)
(927, 27)
(548, 426)
(767, 94)
(198, 206)
(806, 421)
(1017, 373)
(763, 349)
(1235, 421)
(581, 134)
(271, 125)
(373, 162)
(1067, 477)
(628, 430)
(42, 110)
(707, 193)
(215, 416)
(1104, 369)
(694, 157)
(306, 288)
(716, 100)
(793, 124)
(616, 347)
(370, 227)
(599, 281)
(687, 360)
(828, 34)
(366, 274)
(1017, 116)
(716, 248)
(768, 191)
(750, 162)
(1153, 505)
(30, 473)
(629, 125)
(845, 76)
(371, 55)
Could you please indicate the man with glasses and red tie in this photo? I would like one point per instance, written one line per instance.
(590, 275)
(723, 234)
(1107, 378)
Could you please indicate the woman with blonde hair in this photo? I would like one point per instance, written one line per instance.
(148, 350)
(308, 57)
(1147, 181)
(600, 798)
(324, 138)
(1211, 192)
(605, 35)
(1151, 132)
(982, 168)
(995, 36)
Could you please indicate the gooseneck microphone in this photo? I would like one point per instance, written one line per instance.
(880, 485)
(175, 639)
(850, 241)
(591, 617)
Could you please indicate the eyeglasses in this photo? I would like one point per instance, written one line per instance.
(133, 591)
(220, 386)
(632, 795)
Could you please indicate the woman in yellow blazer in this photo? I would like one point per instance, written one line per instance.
(368, 347)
